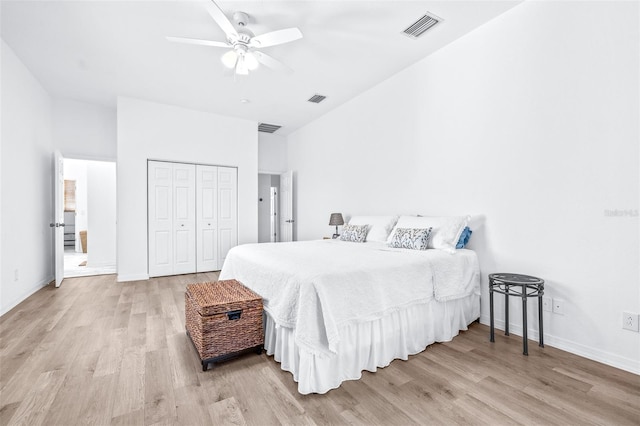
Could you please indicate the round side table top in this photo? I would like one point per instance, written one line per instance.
(516, 279)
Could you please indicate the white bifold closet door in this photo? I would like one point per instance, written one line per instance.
(172, 222)
(192, 217)
(227, 211)
(207, 218)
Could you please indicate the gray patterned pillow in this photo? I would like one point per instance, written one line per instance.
(354, 233)
(411, 238)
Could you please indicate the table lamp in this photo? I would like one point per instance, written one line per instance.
(336, 220)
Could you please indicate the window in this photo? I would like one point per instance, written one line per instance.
(69, 195)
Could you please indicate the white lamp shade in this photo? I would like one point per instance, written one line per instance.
(241, 67)
(229, 59)
(251, 61)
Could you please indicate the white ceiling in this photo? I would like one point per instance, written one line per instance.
(94, 51)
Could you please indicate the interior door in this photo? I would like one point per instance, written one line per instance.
(206, 218)
(160, 216)
(286, 206)
(184, 218)
(227, 211)
(58, 220)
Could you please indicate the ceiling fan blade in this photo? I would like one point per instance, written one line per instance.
(276, 37)
(221, 19)
(271, 62)
(199, 42)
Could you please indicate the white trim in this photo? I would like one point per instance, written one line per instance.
(15, 302)
(98, 158)
(608, 358)
(106, 264)
(133, 277)
(262, 172)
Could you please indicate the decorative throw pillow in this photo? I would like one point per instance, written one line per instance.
(354, 233)
(464, 238)
(445, 232)
(411, 238)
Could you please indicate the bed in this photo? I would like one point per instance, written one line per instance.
(335, 308)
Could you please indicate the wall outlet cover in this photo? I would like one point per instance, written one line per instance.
(630, 321)
(547, 304)
(558, 306)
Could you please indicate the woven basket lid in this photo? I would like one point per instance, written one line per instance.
(220, 296)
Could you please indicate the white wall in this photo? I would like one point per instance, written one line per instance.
(530, 121)
(26, 183)
(101, 205)
(148, 130)
(272, 153)
(83, 130)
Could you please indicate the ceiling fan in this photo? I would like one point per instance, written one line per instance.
(244, 56)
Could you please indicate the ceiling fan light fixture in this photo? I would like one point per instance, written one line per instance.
(241, 67)
(229, 59)
(251, 61)
(242, 57)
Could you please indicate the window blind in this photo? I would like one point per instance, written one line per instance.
(69, 195)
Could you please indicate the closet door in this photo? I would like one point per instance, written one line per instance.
(207, 218)
(160, 218)
(184, 218)
(227, 211)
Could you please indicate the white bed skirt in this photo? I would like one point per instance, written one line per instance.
(369, 345)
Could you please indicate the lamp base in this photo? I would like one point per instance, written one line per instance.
(334, 236)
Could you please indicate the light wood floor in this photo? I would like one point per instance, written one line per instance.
(98, 352)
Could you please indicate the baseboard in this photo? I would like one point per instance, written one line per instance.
(15, 302)
(133, 277)
(608, 358)
(101, 265)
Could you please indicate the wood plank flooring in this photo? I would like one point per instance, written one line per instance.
(99, 352)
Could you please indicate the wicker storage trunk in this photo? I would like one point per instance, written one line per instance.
(223, 319)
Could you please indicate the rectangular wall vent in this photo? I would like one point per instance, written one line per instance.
(423, 24)
(268, 128)
(316, 99)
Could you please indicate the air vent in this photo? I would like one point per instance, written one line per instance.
(268, 128)
(316, 99)
(423, 24)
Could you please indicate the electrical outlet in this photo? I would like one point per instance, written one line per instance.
(547, 304)
(16, 274)
(558, 306)
(630, 321)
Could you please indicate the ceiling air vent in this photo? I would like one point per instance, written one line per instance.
(419, 27)
(316, 99)
(268, 128)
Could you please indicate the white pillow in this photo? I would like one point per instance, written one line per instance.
(445, 231)
(379, 226)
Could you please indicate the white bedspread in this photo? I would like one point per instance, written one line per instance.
(316, 287)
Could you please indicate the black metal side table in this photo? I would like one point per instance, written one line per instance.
(524, 286)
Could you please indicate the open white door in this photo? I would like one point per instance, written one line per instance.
(58, 220)
(286, 206)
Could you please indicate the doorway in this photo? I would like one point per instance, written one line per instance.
(268, 208)
(89, 217)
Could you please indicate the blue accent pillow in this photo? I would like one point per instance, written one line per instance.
(464, 237)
